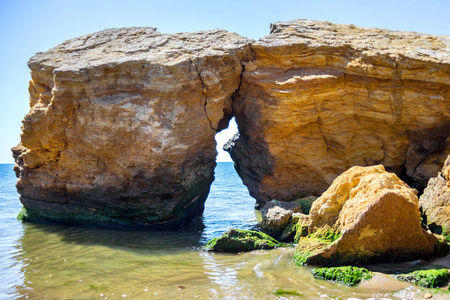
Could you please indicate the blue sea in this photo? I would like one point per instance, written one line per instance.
(39, 261)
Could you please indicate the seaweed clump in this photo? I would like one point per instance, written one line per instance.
(238, 240)
(349, 275)
(426, 278)
(280, 292)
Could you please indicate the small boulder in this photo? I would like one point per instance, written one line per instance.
(238, 240)
(367, 215)
(435, 201)
(276, 216)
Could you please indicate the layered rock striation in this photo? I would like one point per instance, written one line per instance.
(122, 123)
(319, 98)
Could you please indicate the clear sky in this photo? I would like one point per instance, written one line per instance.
(28, 27)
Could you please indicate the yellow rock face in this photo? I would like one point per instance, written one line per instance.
(377, 216)
(320, 98)
(122, 124)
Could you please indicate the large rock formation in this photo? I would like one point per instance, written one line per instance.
(320, 98)
(435, 201)
(367, 215)
(122, 124)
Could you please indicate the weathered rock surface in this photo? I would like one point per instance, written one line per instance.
(276, 216)
(320, 98)
(122, 124)
(435, 201)
(367, 215)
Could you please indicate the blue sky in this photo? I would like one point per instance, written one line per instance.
(28, 27)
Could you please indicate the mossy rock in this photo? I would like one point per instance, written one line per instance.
(440, 231)
(326, 234)
(348, 275)
(296, 228)
(306, 203)
(301, 230)
(314, 244)
(317, 249)
(288, 233)
(22, 216)
(426, 278)
(237, 240)
(307, 248)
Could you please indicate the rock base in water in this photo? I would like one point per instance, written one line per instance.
(121, 126)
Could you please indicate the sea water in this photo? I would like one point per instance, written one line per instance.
(40, 261)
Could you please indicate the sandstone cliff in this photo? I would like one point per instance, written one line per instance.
(320, 98)
(122, 124)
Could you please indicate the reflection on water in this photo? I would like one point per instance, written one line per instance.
(58, 262)
(72, 263)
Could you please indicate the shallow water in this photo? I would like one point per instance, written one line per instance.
(58, 262)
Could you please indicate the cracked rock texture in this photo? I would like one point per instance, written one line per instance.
(319, 98)
(122, 123)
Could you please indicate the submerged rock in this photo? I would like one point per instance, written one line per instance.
(426, 278)
(320, 98)
(350, 276)
(367, 215)
(122, 123)
(435, 201)
(238, 240)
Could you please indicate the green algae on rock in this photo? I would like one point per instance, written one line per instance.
(313, 245)
(426, 278)
(280, 292)
(349, 275)
(237, 240)
(306, 203)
